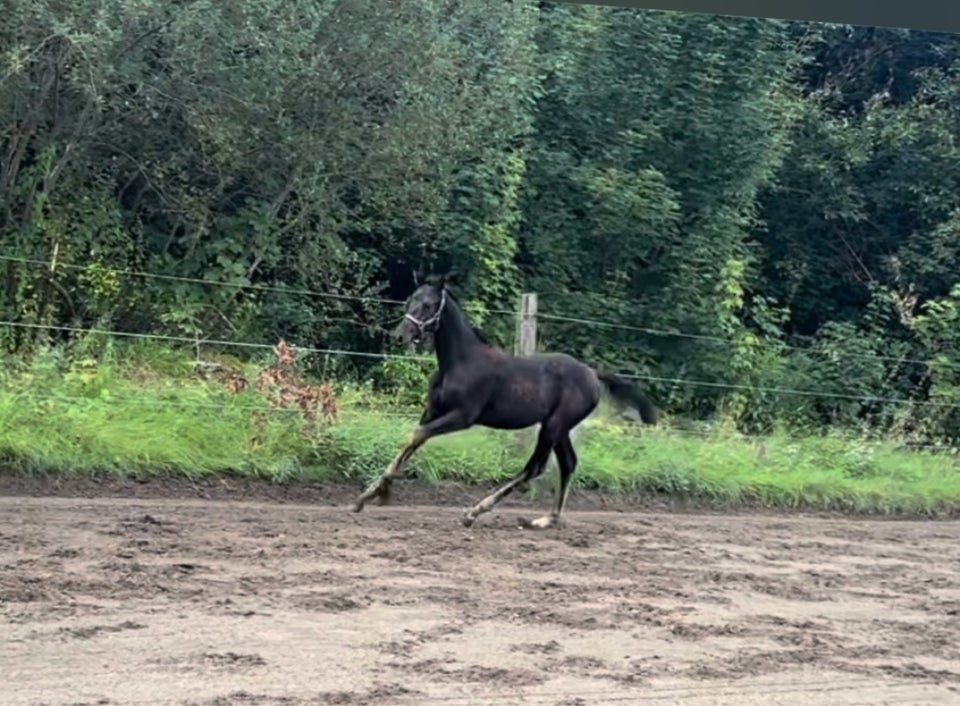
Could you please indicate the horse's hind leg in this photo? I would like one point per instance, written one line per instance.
(534, 468)
(567, 463)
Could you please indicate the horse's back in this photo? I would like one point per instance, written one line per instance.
(556, 372)
(554, 359)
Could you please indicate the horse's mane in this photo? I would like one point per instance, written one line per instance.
(444, 284)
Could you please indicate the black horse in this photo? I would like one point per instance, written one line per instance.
(480, 384)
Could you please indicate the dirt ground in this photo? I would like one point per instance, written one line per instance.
(215, 599)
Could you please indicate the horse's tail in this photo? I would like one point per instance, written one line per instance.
(625, 392)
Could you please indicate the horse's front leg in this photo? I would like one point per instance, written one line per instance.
(431, 411)
(452, 421)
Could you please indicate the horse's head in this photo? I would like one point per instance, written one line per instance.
(424, 310)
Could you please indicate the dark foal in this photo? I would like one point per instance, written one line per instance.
(479, 384)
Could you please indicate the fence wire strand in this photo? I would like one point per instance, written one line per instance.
(546, 316)
(341, 352)
(725, 341)
(423, 358)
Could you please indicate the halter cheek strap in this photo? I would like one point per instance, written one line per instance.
(422, 325)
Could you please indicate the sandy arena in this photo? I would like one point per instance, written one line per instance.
(227, 599)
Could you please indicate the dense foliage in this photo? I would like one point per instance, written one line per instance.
(783, 197)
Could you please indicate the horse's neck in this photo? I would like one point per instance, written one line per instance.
(455, 338)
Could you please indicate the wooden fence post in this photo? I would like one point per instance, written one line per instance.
(526, 339)
(525, 343)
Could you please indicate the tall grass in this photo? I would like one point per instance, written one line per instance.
(151, 413)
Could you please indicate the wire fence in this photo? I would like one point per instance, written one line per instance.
(230, 403)
(545, 316)
(226, 343)
(198, 341)
(725, 341)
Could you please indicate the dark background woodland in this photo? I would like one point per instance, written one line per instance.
(784, 196)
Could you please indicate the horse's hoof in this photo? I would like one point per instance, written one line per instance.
(541, 523)
(468, 520)
(357, 507)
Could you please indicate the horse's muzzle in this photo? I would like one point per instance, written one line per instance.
(407, 333)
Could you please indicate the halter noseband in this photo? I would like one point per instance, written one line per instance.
(433, 320)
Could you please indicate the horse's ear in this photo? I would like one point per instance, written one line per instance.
(451, 279)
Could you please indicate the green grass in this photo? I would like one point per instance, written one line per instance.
(152, 415)
(824, 473)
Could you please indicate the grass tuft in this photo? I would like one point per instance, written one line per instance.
(151, 413)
